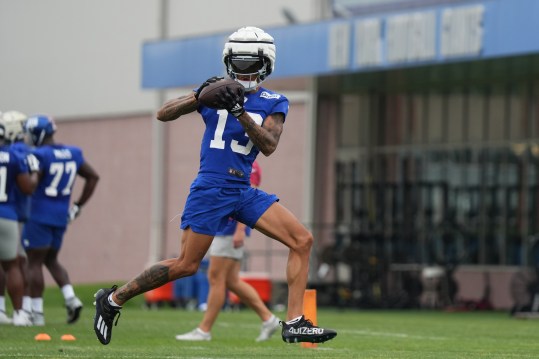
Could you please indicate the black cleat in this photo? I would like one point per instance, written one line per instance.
(304, 331)
(104, 315)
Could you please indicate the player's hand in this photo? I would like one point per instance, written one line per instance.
(74, 212)
(232, 100)
(33, 163)
(206, 83)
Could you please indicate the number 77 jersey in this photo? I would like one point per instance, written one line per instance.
(58, 165)
(226, 151)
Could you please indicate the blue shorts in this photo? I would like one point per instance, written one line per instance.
(37, 235)
(208, 208)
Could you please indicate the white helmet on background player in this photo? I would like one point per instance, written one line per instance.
(250, 54)
(13, 122)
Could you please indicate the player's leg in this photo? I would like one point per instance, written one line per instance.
(15, 289)
(109, 301)
(4, 319)
(23, 265)
(249, 296)
(194, 247)
(205, 211)
(36, 258)
(61, 277)
(279, 223)
(217, 273)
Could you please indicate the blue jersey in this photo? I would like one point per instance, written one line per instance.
(22, 201)
(11, 165)
(59, 165)
(230, 228)
(227, 153)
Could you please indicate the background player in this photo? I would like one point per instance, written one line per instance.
(14, 172)
(226, 253)
(234, 136)
(43, 233)
(13, 122)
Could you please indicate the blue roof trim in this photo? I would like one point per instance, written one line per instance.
(509, 28)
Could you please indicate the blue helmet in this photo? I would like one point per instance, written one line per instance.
(39, 127)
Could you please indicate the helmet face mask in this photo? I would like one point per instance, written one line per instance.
(247, 70)
(249, 56)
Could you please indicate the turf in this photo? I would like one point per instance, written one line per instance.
(361, 334)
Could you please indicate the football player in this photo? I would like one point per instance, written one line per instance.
(226, 253)
(13, 122)
(14, 172)
(247, 122)
(58, 166)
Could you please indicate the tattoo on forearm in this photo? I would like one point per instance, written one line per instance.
(151, 278)
(264, 138)
(176, 108)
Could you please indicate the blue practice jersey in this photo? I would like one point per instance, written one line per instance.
(22, 201)
(59, 165)
(227, 153)
(11, 165)
(230, 228)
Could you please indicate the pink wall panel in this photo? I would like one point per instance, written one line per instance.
(109, 241)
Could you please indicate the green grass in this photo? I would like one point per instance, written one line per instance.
(361, 334)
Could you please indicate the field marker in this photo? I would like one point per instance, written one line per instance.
(309, 310)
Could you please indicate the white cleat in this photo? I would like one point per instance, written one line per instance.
(267, 329)
(38, 319)
(196, 335)
(21, 318)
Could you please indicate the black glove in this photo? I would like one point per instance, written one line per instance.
(206, 83)
(232, 100)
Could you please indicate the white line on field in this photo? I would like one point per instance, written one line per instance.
(388, 334)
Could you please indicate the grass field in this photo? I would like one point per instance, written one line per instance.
(143, 333)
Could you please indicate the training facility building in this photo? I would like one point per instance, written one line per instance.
(415, 129)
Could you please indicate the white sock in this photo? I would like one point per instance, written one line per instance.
(295, 320)
(68, 292)
(112, 302)
(37, 305)
(2, 303)
(270, 320)
(203, 332)
(27, 304)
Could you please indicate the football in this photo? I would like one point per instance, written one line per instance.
(208, 95)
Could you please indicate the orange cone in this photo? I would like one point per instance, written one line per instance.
(68, 337)
(309, 310)
(42, 337)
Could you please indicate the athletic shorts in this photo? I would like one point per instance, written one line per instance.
(9, 239)
(208, 208)
(223, 246)
(37, 235)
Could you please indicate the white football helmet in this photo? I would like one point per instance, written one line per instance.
(13, 122)
(250, 53)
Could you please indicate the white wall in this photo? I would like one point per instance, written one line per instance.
(79, 58)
